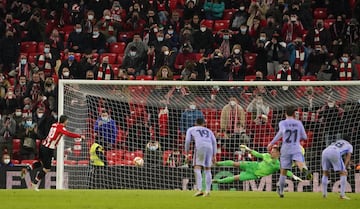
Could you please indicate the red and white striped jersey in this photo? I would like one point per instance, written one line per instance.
(57, 130)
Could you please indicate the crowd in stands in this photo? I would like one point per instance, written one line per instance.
(42, 41)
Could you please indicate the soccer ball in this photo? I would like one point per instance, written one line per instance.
(138, 161)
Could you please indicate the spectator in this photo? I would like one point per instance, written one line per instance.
(135, 23)
(108, 27)
(90, 75)
(97, 41)
(338, 32)
(133, 64)
(352, 35)
(292, 29)
(176, 21)
(167, 57)
(346, 70)
(87, 62)
(188, 118)
(43, 121)
(10, 100)
(78, 40)
(317, 58)
(318, 36)
(104, 71)
(261, 58)
(6, 161)
(152, 18)
(118, 14)
(257, 107)
(203, 40)
(139, 128)
(89, 22)
(298, 57)
(141, 47)
(185, 54)
(19, 119)
(173, 37)
(329, 71)
(190, 9)
(9, 52)
(262, 131)
(214, 9)
(66, 73)
(71, 63)
(235, 65)
(216, 68)
(232, 125)
(255, 28)
(28, 136)
(243, 38)
(239, 18)
(23, 68)
(285, 72)
(162, 9)
(56, 44)
(257, 10)
(276, 51)
(35, 87)
(51, 94)
(7, 133)
(195, 22)
(164, 73)
(106, 130)
(35, 27)
(46, 61)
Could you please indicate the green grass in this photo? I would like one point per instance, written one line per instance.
(156, 199)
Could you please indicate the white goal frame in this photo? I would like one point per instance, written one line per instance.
(62, 83)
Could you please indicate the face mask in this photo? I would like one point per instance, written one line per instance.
(193, 107)
(23, 61)
(345, 59)
(22, 83)
(96, 34)
(232, 103)
(90, 17)
(243, 30)
(160, 39)
(28, 123)
(236, 51)
(262, 38)
(331, 104)
(259, 101)
(71, 57)
(46, 50)
(226, 37)
(203, 29)
(156, 30)
(166, 53)
(104, 118)
(132, 54)
(18, 114)
(40, 115)
(78, 30)
(66, 74)
(293, 19)
(107, 17)
(170, 32)
(242, 8)
(6, 161)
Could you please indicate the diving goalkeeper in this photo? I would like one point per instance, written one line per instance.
(270, 164)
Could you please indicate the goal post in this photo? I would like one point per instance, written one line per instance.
(151, 118)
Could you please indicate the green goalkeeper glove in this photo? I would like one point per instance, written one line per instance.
(244, 147)
(296, 178)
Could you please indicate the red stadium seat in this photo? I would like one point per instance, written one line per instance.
(309, 78)
(28, 47)
(83, 162)
(70, 162)
(40, 47)
(28, 162)
(117, 47)
(16, 146)
(328, 22)
(307, 143)
(119, 59)
(144, 77)
(320, 13)
(115, 155)
(125, 36)
(112, 57)
(208, 23)
(250, 77)
(165, 156)
(250, 60)
(32, 57)
(221, 25)
(228, 14)
(67, 28)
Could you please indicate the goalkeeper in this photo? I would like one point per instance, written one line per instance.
(254, 170)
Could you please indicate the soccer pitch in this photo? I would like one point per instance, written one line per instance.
(170, 199)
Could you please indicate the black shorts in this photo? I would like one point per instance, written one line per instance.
(46, 154)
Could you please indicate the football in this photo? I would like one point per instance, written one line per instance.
(138, 161)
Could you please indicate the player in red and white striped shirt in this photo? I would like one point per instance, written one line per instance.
(47, 148)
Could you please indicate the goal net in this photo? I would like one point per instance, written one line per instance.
(148, 119)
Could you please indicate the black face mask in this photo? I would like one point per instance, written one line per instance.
(258, 79)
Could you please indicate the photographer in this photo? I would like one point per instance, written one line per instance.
(7, 132)
(235, 65)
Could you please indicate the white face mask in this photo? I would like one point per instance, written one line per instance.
(203, 29)
(156, 30)
(104, 118)
(237, 51)
(193, 107)
(90, 17)
(46, 50)
(166, 52)
(107, 17)
(18, 114)
(232, 103)
(345, 59)
(40, 115)
(160, 39)
(29, 123)
(170, 32)
(23, 61)
(6, 161)
(66, 74)
(132, 54)
(78, 30)
(96, 34)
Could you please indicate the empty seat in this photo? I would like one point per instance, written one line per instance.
(208, 23)
(117, 47)
(28, 46)
(83, 162)
(320, 13)
(221, 25)
(228, 14)
(250, 60)
(112, 57)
